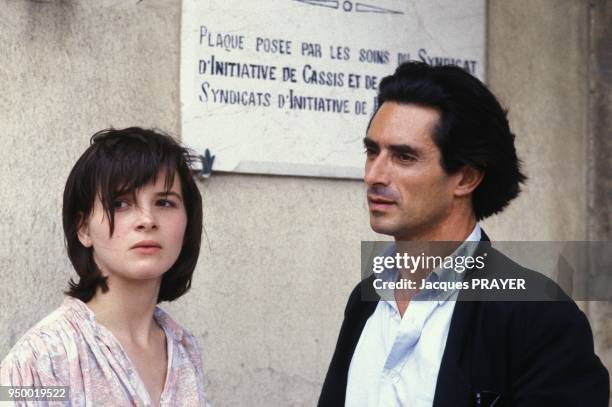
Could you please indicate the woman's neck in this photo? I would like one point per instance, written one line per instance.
(127, 308)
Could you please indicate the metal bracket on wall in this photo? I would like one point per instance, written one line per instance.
(207, 161)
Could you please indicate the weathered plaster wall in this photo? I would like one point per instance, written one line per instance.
(600, 162)
(538, 67)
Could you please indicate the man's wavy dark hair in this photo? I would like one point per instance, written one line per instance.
(473, 128)
(119, 162)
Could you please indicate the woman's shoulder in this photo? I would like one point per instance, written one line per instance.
(180, 335)
(171, 326)
(39, 355)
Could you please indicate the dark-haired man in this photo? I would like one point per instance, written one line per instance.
(441, 157)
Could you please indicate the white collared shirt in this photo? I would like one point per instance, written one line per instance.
(396, 360)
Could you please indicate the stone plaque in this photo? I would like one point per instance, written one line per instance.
(288, 86)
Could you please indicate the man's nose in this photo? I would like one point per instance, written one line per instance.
(377, 170)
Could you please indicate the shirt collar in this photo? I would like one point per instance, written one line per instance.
(467, 248)
(80, 309)
(168, 324)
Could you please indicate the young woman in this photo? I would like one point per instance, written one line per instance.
(132, 217)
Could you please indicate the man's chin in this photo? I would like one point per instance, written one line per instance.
(384, 227)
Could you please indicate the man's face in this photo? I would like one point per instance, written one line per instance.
(409, 194)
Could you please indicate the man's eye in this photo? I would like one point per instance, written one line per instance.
(167, 203)
(369, 151)
(406, 157)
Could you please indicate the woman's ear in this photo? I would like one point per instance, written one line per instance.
(83, 231)
(470, 178)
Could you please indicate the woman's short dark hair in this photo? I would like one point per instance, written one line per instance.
(119, 162)
(473, 128)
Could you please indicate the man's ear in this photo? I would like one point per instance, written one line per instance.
(83, 231)
(469, 179)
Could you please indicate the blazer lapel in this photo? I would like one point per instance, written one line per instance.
(361, 305)
(453, 389)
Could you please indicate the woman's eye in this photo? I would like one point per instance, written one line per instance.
(120, 203)
(166, 203)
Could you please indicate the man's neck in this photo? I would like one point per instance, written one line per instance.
(452, 232)
(452, 229)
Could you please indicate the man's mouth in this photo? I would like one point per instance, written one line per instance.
(377, 203)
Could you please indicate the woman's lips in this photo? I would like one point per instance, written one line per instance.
(147, 249)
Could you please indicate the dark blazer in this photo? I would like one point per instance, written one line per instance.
(498, 353)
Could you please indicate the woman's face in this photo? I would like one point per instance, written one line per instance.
(148, 233)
